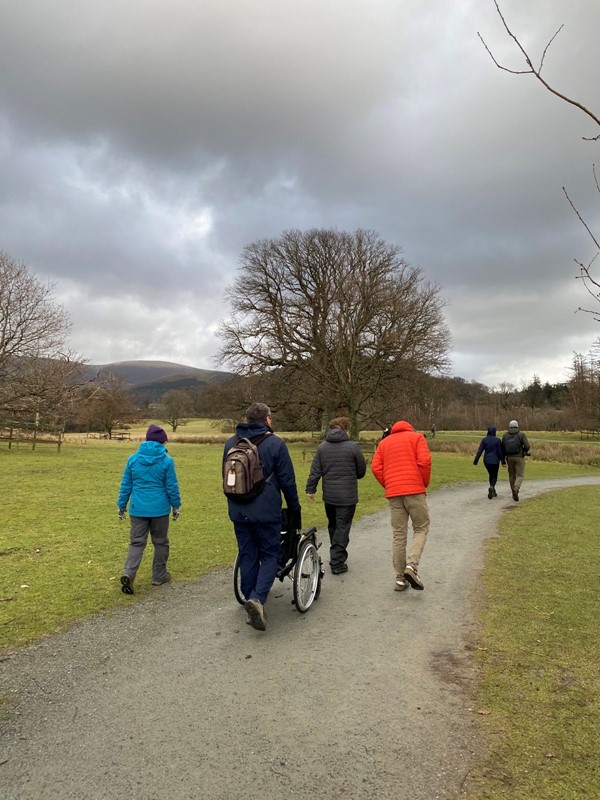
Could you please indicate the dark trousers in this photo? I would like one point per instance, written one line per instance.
(492, 472)
(339, 519)
(158, 528)
(259, 545)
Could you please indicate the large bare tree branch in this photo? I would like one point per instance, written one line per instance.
(537, 71)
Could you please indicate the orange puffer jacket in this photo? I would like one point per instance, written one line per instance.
(402, 461)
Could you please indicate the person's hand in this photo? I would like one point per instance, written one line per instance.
(311, 497)
(176, 513)
(122, 513)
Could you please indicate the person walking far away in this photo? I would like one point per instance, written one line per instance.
(491, 447)
(257, 521)
(340, 463)
(402, 465)
(515, 447)
(150, 482)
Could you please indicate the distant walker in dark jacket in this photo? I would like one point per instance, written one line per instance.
(149, 480)
(257, 523)
(491, 447)
(340, 463)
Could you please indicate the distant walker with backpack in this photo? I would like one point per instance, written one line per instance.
(243, 474)
(514, 447)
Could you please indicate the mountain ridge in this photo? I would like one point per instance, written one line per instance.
(138, 372)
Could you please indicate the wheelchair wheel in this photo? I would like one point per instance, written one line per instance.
(307, 577)
(237, 585)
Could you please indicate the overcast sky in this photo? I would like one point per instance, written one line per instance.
(144, 143)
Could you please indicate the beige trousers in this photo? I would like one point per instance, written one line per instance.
(516, 471)
(413, 507)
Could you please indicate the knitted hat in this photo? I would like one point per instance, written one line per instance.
(156, 434)
(513, 424)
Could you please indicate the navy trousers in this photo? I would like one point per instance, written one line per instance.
(259, 545)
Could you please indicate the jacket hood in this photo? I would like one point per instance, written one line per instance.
(336, 435)
(513, 428)
(249, 430)
(491, 431)
(151, 452)
(402, 425)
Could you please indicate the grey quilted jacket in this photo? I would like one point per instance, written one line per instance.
(340, 463)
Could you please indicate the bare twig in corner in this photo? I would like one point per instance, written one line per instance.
(537, 72)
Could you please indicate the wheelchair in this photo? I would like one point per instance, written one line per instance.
(300, 562)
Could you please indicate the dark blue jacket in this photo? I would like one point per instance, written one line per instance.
(491, 447)
(277, 463)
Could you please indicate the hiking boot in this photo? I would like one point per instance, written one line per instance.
(400, 585)
(126, 584)
(166, 579)
(339, 569)
(256, 614)
(490, 493)
(411, 575)
(515, 494)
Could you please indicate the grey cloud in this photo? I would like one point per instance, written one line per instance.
(143, 145)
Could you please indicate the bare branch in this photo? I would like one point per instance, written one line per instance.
(537, 72)
(583, 222)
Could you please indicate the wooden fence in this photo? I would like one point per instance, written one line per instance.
(29, 434)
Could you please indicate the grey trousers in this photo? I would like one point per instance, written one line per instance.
(339, 519)
(158, 528)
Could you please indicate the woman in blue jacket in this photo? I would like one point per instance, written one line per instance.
(491, 447)
(149, 480)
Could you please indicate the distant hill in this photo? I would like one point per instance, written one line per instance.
(140, 372)
(149, 380)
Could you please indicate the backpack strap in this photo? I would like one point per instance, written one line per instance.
(256, 440)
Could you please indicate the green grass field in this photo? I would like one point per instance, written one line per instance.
(62, 549)
(538, 652)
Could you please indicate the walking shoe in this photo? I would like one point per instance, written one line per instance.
(400, 585)
(166, 579)
(515, 494)
(126, 584)
(490, 493)
(339, 569)
(411, 575)
(256, 613)
(495, 493)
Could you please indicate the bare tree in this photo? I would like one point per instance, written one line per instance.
(39, 376)
(533, 67)
(175, 404)
(43, 389)
(342, 313)
(32, 324)
(107, 404)
(584, 389)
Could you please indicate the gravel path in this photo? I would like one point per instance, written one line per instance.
(368, 695)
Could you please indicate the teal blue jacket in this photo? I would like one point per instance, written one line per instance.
(149, 480)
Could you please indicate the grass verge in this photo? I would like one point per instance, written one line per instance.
(539, 664)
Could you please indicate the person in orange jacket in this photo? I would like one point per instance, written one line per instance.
(402, 465)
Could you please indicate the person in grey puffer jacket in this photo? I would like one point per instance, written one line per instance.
(340, 463)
